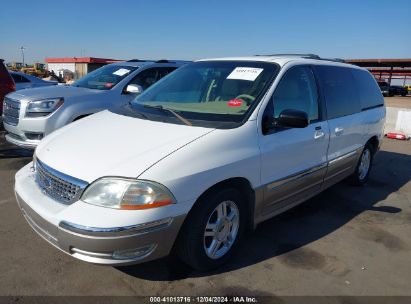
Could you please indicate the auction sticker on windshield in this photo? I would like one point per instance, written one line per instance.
(121, 72)
(244, 73)
(235, 103)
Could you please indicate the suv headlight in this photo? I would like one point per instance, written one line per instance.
(127, 194)
(44, 107)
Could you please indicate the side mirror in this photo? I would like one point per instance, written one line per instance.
(293, 119)
(134, 89)
(288, 119)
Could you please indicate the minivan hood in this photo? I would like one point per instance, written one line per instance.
(65, 91)
(109, 144)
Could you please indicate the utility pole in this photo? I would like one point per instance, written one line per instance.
(22, 53)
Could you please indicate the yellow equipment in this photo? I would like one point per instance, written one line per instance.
(16, 66)
(38, 69)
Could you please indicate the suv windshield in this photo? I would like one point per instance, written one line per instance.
(105, 77)
(208, 93)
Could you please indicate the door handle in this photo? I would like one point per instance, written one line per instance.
(339, 131)
(318, 134)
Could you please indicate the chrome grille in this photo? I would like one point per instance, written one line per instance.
(59, 186)
(11, 111)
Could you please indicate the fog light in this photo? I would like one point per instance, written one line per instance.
(133, 253)
(33, 135)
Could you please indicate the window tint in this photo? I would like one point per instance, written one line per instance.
(18, 78)
(150, 76)
(146, 78)
(165, 71)
(24, 79)
(370, 93)
(297, 90)
(340, 91)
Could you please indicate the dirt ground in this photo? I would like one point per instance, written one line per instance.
(398, 102)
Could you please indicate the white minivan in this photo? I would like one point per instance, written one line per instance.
(206, 153)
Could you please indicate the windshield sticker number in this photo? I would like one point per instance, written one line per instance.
(244, 73)
(121, 72)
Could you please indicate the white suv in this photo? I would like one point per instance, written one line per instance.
(209, 151)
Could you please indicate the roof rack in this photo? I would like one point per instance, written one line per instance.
(334, 59)
(308, 56)
(138, 60)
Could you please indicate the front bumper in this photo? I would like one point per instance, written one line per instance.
(17, 136)
(21, 142)
(108, 245)
(28, 132)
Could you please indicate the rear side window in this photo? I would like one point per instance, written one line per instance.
(19, 79)
(369, 91)
(340, 91)
(148, 77)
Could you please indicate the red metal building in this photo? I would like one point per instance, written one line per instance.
(78, 66)
(386, 69)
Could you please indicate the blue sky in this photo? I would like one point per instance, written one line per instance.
(194, 29)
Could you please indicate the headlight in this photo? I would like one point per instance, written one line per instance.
(127, 194)
(43, 107)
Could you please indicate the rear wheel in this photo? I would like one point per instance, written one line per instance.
(212, 230)
(362, 171)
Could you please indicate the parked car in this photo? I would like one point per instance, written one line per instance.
(408, 87)
(205, 154)
(386, 89)
(24, 81)
(6, 83)
(399, 90)
(40, 111)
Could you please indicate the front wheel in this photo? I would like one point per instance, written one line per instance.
(212, 230)
(362, 171)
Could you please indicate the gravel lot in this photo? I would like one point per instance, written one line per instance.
(345, 241)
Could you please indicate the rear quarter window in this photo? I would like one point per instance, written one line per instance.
(369, 91)
(18, 78)
(340, 91)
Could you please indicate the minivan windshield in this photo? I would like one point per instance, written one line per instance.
(105, 77)
(208, 93)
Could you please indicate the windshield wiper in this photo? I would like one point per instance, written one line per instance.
(130, 106)
(160, 107)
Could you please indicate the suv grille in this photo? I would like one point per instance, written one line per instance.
(11, 111)
(59, 186)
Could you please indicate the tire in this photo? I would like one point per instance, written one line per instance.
(363, 168)
(192, 241)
